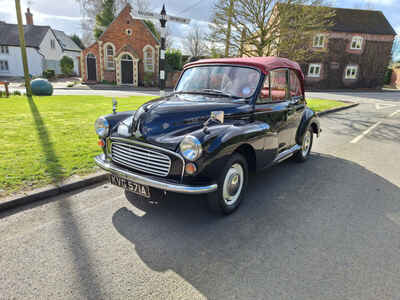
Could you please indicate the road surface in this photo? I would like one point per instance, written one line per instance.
(325, 229)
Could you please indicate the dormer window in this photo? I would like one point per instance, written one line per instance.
(356, 43)
(319, 41)
(52, 44)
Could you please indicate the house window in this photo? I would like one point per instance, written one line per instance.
(319, 41)
(4, 50)
(109, 57)
(148, 55)
(314, 70)
(351, 72)
(128, 32)
(52, 44)
(3, 66)
(356, 43)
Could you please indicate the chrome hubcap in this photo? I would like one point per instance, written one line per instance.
(233, 184)
(306, 143)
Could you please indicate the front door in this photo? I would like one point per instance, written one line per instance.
(126, 69)
(91, 67)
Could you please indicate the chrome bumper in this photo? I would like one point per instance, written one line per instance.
(142, 179)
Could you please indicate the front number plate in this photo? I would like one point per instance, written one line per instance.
(142, 190)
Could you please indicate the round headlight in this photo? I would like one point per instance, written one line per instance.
(102, 127)
(190, 148)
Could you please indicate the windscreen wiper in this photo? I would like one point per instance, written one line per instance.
(219, 92)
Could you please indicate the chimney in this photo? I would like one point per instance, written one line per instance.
(29, 17)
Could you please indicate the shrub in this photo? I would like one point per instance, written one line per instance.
(17, 93)
(49, 74)
(67, 65)
(70, 85)
(173, 60)
(1, 94)
(388, 76)
(148, 79)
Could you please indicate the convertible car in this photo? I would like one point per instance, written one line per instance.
(225, 117)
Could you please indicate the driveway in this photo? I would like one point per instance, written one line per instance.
(325, 229)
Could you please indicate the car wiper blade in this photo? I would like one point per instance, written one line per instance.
(219, 92)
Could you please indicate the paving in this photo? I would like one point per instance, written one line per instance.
(325, 229)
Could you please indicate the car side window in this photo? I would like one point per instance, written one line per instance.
(264, 95)
(279, 85)
(295, 86)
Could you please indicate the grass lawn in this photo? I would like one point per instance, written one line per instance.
(51, 138)
(322, 104)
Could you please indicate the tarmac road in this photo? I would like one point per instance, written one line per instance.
(325, 229)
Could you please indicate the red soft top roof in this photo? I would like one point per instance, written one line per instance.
(264, 64)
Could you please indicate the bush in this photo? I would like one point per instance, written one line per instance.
(67, 65)
(17, 93)
(49, 74)
(388, 76)
(173, 60)
(148, 79)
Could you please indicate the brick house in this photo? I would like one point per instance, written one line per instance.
(126, 53)
(353, 53)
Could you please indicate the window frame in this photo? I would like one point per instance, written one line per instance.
(313, 75)
(359, 40)
(107, 57)
(269, 100)
(5, 62)
(318, 44)
(146, 58)
(351, 77)
(4, 50)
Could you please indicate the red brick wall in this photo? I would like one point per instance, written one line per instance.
(116, 34)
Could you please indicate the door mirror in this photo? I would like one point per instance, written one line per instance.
(217, 116)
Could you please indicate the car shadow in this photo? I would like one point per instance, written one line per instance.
(315, 229)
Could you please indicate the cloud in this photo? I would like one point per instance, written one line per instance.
(381, 2)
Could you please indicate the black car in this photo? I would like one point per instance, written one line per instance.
(226, 117)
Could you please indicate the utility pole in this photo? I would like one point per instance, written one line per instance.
(163, 18)
(23, 49)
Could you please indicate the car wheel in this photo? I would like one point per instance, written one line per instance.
(306, 145)
(232, 185)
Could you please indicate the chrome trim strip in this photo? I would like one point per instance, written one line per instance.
(286, 154)
(177, 188)
(129, 141)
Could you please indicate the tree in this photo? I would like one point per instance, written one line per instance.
(396, 49)
(77, 41)
(195, 42)
(173, 60)
(278, 27)
(105, 17)
(67, 65)
(221, 24)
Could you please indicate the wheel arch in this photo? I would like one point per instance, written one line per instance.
(249, 154)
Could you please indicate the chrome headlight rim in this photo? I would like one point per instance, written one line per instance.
(102, 127)
(190, 148)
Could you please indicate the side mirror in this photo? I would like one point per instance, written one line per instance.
(217, 116)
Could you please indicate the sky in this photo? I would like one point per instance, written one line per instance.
(65, 15)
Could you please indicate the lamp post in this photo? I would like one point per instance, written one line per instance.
(163, 18)
(163, 22)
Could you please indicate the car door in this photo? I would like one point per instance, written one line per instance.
(297, 104)
(272, 107)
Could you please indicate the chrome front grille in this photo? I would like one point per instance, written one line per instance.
(141, 158)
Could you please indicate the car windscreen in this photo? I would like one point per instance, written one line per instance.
(225, 80)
